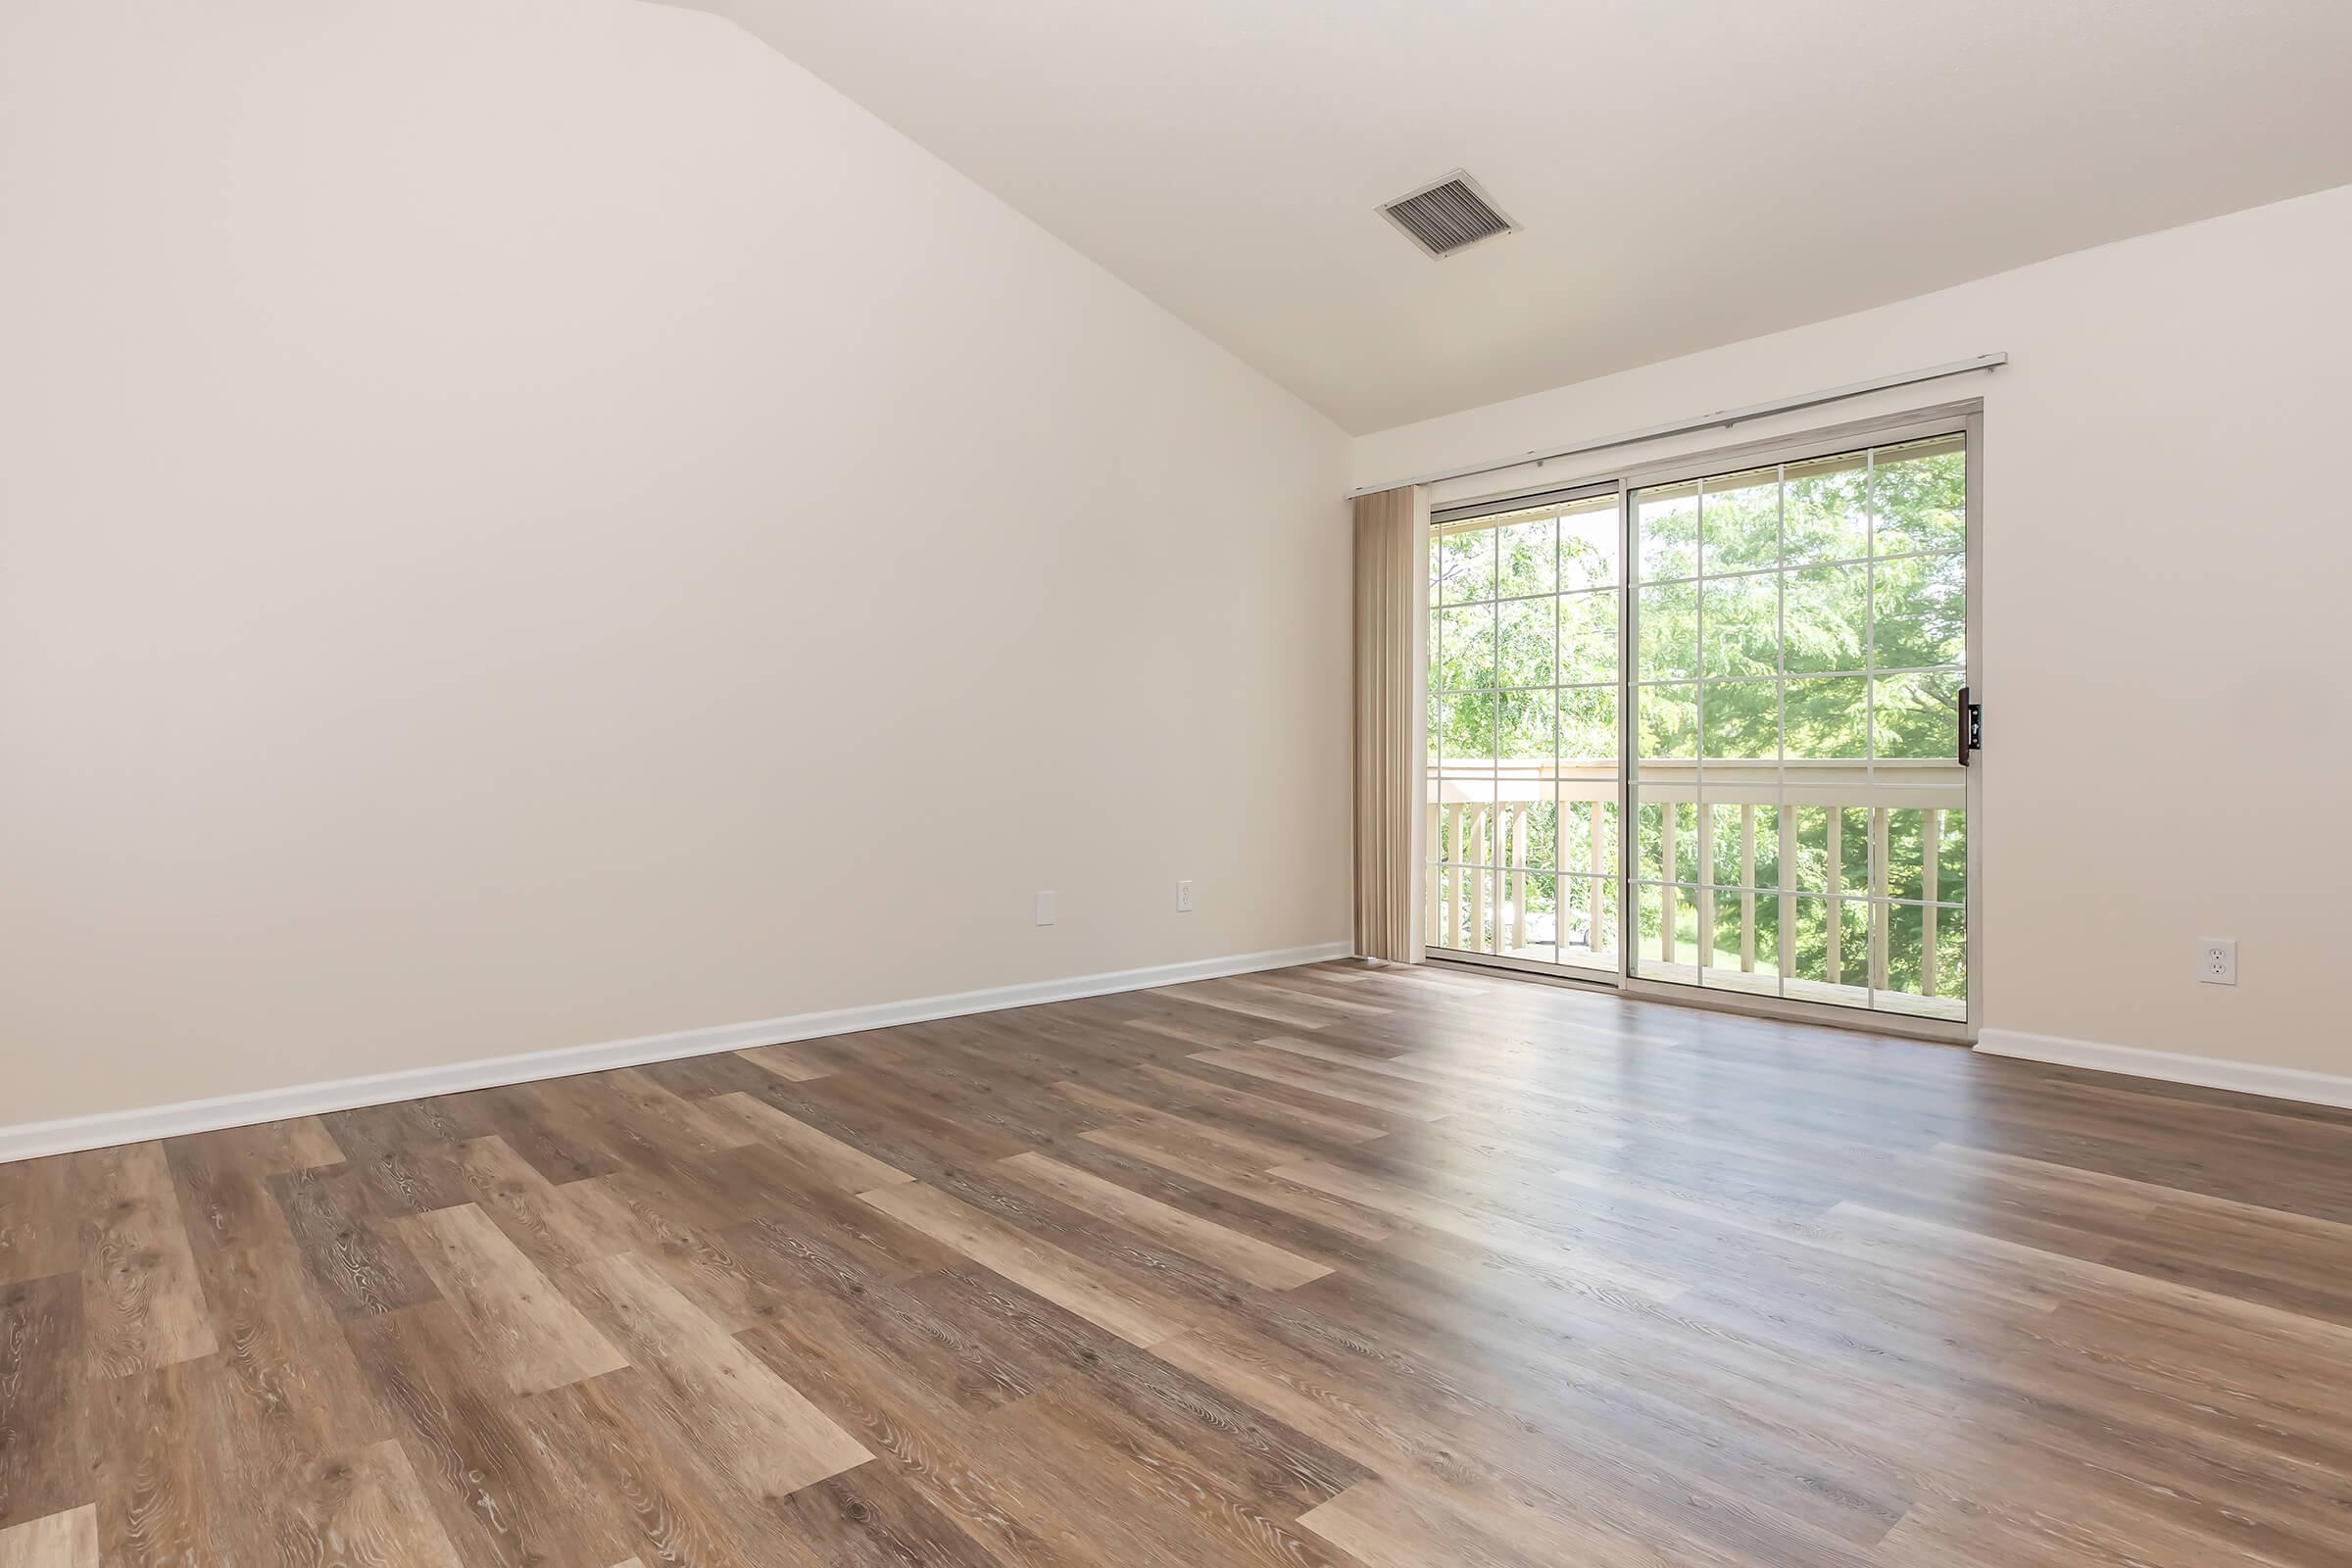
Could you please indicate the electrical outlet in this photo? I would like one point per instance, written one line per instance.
(2216, 961)
(1045, 908)
(1184, 898)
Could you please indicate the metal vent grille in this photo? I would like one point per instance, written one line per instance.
(1450, 215)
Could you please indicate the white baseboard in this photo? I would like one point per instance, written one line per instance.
(103, 1129)
(2206, 1072)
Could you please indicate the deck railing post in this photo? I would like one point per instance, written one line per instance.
(1747, 889)
(1482, 856)
(1518, 876)
(1836, 906)
(1931, 855)
(1667, 903)
(1882, 886)
(1788, 860)
(1704, 876)
(1457, 822)
(1595, 926)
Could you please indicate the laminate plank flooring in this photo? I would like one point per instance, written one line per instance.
(1336, 1265)
(535, 1334)
(56, 1540)
(1220, 1247)
(143, 1306)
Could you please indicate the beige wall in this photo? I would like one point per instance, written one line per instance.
(2167, 571)
(529, 522)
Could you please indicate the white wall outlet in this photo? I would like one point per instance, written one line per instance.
(1184, 898)
(2216, 961)
(1045, 908)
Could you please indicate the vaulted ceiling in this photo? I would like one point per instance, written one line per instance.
(1688, 173)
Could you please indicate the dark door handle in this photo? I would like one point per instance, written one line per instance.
(1972, 726)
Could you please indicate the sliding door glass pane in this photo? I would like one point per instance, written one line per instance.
(1524, 701)
(1799, 637)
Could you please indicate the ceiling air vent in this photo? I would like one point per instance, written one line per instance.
(1450, 215)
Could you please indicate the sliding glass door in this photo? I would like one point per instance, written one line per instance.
(1781, 648)
(1801, 642)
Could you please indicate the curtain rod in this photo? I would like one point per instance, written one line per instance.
(1721, 420)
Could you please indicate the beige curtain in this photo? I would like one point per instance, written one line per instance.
(1391, 570)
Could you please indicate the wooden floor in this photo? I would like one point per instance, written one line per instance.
(1325, 1266)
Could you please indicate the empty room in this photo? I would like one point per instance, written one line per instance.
(813, 783)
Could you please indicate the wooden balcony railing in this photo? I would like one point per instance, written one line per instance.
(1478, 831)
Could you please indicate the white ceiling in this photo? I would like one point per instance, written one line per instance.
(1688, 171)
